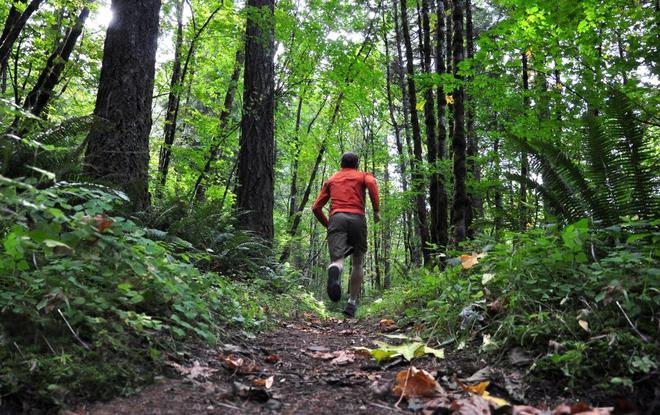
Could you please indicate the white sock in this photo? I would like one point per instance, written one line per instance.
(351, 301)
(339, 263)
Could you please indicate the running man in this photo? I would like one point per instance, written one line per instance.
(347, 226)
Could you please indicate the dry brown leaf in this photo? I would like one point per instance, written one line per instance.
(342, 357)
(233, 362)
(267, 383)
(101, 221)
(468, 261)
(416, 383)
(474, 405)
(479, 388)
(272, 358)
(387, 325)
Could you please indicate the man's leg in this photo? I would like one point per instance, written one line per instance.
(357, 273)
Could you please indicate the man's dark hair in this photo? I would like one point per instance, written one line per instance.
(350, 160)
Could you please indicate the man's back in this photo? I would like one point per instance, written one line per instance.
(346, 191)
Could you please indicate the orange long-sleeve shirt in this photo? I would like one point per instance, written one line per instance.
(346, 191)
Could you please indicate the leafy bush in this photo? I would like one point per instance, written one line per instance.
(88, 302)
(589, 297)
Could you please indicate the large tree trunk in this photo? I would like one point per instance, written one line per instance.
(431, 143)
(524, 163)
(14, 25)
(120, 154)
(449, 33)
(199, 189)
(460, 201)
(474, 207)
(256, 160)
(173, 100)
(416, 166)
(412, 244)
(42, 91)
(440, 68)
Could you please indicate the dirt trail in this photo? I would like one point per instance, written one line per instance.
(313, 371)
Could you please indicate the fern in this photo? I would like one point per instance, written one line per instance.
(57, 149)
(616, 178)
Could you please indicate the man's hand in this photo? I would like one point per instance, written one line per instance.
(376, 217)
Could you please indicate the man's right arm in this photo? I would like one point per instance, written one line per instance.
(317, 207)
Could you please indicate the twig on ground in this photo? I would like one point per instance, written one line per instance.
(405, 384)
(643, 337)
(72, 331)
(385, 407)
(226, 405)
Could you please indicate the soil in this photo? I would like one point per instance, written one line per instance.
(313, 370)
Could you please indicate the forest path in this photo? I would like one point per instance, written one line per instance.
(309, 367)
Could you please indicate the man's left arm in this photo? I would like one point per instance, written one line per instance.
(372, 187)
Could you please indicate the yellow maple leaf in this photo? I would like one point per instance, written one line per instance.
(449, 99)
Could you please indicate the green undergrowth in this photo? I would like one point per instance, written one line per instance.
(584, 299)
(92, 303)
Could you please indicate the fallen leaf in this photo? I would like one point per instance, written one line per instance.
(486, 278)
(343, 357)
(415, 382)
(194, 371)
(272, 358)
(233, 362)
(584, 324)
(474, 405)
(101, 221)
(479, 388)
(323, 355)
(387, 325)
(267, 383)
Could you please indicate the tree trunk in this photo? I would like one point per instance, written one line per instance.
(524, 163)
(460, 202)
(431, 143)
(474, 207)
(293, 189)
(416, 166)
(440, 68)
(449, 60)
(173, 100)
(14, 25)
(256, 161)
(412, 244)
(42, 91)
(228, 104)
(120, 154)
(498, 190)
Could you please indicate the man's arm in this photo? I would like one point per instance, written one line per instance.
(372, 187)
(317, 207)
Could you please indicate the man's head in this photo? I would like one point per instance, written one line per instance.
(349, 160)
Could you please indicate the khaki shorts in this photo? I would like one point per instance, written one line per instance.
(347, 235)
